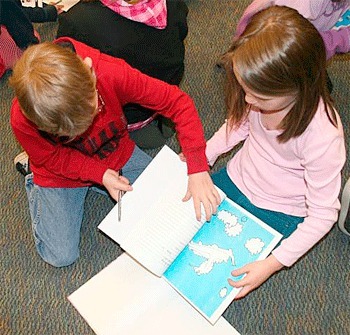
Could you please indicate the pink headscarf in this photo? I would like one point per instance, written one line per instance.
(150, 12)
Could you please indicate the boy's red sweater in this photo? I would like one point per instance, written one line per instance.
(106, 144)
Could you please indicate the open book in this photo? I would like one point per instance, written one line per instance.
(160, 232)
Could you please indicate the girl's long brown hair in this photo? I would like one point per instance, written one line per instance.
(280, 52)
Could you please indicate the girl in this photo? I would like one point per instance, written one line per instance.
(323, 14)
(287, 172)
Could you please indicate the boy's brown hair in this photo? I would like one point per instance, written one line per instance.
(279, 53)
(55, 89)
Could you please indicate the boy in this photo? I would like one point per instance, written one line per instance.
(67, 115)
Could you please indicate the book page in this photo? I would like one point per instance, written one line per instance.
(165, 175)
(163, 231)
(149, 187)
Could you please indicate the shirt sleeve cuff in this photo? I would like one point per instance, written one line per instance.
(196, 161)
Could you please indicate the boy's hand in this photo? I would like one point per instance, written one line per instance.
(256, 274)
(182, 157)
(114, 183)
(202, 190)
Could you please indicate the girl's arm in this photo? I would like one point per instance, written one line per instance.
(17, 24)
(256, 274)
(224, 140)
(322, 156)
(336, 41)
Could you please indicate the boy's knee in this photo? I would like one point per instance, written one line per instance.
(59, 263)
(58, 258)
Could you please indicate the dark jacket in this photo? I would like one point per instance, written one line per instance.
(156, 52)
(17, 23)
(18, 20)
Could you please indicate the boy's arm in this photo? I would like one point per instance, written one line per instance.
(204, 193)
(131, 86)
(169, 101)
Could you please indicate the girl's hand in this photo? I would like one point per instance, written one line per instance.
(202, 190)
(115, 183)
(256, 274)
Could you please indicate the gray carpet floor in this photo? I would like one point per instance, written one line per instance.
(312, 297)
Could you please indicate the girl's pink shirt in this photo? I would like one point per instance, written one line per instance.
(300, 177)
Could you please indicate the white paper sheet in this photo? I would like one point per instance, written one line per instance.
(165, 169)
(67, 4)
(124, 298)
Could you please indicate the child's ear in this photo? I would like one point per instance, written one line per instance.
(88, 62)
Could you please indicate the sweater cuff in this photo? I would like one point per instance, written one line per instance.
(94, 172)
(281, 259)
(196, 161)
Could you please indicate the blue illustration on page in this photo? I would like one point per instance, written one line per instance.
(231, 239)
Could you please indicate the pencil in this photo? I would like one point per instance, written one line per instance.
(120, 200)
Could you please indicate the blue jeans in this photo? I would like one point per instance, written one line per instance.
(57, 213)
(283, 223)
